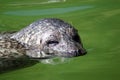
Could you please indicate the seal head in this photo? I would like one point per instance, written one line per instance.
(50, 37)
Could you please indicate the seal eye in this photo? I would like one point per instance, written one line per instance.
(52, 43)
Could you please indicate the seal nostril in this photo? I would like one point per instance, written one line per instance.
(82, 52)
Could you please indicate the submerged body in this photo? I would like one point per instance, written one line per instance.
(42, 39)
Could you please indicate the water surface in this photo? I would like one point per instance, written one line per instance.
(50, 11)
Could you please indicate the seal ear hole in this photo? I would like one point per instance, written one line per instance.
(52, 43)
(40, 41)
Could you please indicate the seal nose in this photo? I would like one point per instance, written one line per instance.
(74, 53)
(82, 52)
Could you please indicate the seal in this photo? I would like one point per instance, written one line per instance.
(45, 38)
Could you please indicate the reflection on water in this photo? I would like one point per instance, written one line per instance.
(46, 11)
(36, 3)
(56, 60)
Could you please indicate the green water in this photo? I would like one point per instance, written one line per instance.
(99, 28)
(47, 11)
